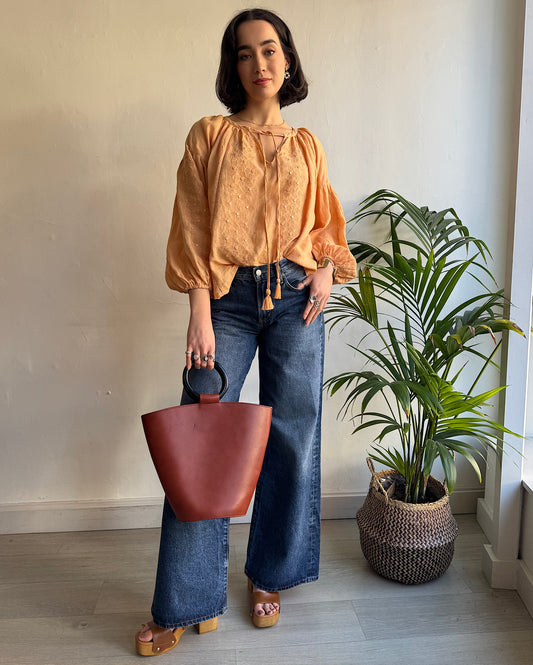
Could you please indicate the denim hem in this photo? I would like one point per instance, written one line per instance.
(191, 622)
(305, 580)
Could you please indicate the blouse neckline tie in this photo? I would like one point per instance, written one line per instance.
(267, 302)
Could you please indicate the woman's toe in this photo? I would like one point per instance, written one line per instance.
(259, 610)
(145, 635)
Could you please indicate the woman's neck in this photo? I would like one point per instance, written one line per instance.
(261, 114)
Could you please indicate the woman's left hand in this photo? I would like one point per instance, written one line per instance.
(319, 283)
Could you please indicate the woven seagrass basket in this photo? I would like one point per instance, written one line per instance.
(410, 543)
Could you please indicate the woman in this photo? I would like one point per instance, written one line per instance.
(257, 239)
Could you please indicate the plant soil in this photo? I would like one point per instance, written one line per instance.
(395, 487)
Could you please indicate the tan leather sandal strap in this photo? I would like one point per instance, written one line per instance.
(264, 597)
(162, 638)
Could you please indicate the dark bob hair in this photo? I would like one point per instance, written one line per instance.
(228, 85)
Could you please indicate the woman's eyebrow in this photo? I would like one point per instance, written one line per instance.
(245, 46)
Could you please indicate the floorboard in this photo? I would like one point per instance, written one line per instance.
(78, 598)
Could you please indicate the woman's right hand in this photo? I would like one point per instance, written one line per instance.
(200, 335)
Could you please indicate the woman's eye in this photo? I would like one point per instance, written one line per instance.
(270, 52)
(245, 56)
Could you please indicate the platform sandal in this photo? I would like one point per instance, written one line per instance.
(263, 597)
(165, 639)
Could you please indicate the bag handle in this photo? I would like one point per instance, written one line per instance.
(375, 477)
(196, 396)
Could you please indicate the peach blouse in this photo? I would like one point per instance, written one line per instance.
(234, 208)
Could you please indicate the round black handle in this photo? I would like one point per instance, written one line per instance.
(196, 396)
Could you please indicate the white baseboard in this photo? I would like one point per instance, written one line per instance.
(40, 517)
(345, 506)
(524, 585)
(485, 518)
(341, 506)
(500, 573)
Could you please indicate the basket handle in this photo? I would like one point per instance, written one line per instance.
(370, 465)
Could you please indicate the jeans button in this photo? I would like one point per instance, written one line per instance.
(258, 272)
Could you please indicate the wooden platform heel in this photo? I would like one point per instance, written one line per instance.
(207, 626)
(165, 639)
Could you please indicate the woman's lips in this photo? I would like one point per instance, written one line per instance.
(261, 81)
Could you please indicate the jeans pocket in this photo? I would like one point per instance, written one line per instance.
(293, 275)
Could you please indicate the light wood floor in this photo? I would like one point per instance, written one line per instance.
(78, 598)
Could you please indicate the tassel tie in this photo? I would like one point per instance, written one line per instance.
(267, 302)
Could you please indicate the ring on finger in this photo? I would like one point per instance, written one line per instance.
(317, 304)
(196, 357)
(211, 356)
(188, 353)
(312, 299)
(205, 358)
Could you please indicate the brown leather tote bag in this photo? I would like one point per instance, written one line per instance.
(209, 455)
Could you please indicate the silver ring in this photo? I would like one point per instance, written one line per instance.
(312, 299)
(196, 357)
(317, 304)
(210, 357)
(205, 358)
(188, 353)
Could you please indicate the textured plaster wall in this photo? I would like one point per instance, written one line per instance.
(97, 98)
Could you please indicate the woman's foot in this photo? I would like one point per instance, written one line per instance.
(264, 609)
(264, 606)
(145, 634)
(161, 640)
(152, 640)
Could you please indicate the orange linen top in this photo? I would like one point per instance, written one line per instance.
(233, 208)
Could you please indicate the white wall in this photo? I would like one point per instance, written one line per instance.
(413, 95)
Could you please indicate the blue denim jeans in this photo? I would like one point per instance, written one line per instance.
(284, 541)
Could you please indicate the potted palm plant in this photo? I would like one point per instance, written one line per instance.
(421, 334)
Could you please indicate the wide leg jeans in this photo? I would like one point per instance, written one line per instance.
(284, 541)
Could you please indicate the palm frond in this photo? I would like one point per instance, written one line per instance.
(408, 295)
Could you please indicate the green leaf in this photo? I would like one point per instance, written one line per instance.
(430, 454)
(402, 394)
(448, 464)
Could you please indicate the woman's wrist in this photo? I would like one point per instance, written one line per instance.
(326, 263)
(200, 302)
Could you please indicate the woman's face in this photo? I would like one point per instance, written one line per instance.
(261, 63)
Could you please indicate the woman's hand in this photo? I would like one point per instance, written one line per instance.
(200, 336)
(319, 283)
